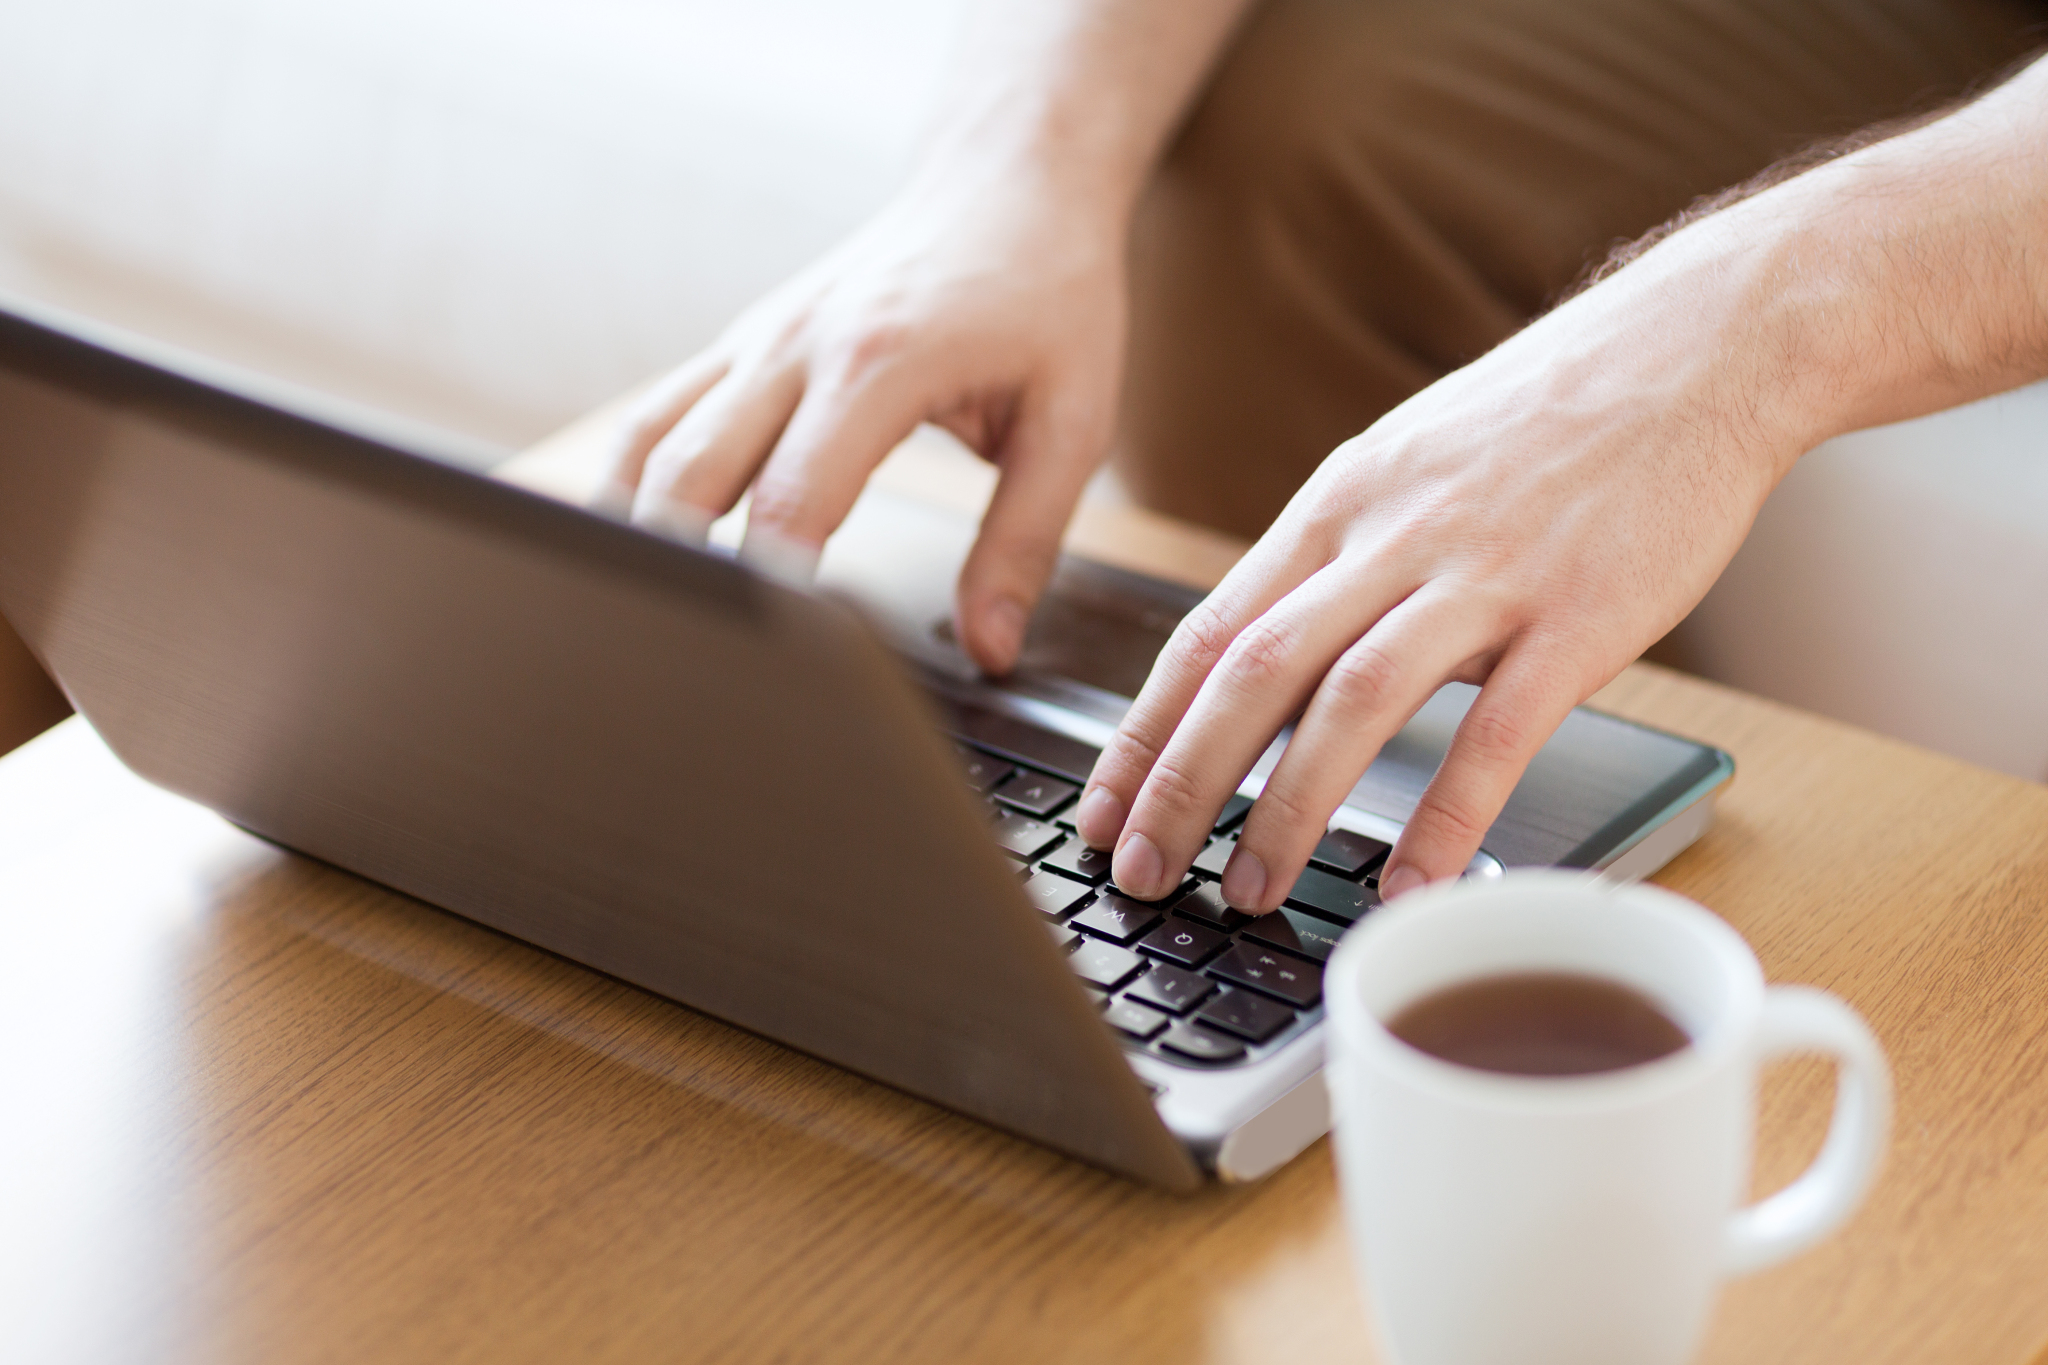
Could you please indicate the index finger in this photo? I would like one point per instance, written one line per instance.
(1271, 569)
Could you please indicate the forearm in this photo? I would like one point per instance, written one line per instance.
(1076, 96)
(1899, 280)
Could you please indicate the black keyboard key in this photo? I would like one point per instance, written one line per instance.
(1075, 859)
(1277, 974)
(1234, 810)
(1165, 902)
(1332, 897)
(1209, 862)
(1170, 988)
(1054, 896)
(1201, 1044)
(1349, 855)
(1140, 1021)
(1026, 839)
(1205, 903)
(1296, 932)
(1251, 1017)
(1117, 917)
(1062, 936)
(1035, 794)
(1103, 964)
(982, 771)
(1183, 941)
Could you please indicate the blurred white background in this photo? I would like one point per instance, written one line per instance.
(1898, 579)
(491, 215)
(487, 214)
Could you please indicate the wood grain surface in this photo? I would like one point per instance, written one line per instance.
(260, 1110)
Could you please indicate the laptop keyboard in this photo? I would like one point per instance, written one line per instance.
(1185, 977)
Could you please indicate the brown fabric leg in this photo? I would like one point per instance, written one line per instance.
(29, 702)
(1373, 192)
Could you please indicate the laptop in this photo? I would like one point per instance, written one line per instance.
(793, 809)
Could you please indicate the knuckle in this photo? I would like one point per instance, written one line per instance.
(668, 464)
(1172, 789)
(1454, 817)
(1280, 809)
(1494, 735)
(1263, 653)
(1202, 635)
(1125, 762)
(875, 348)
(683, 465)
(778, 502)
(1130, 753)
(1363, 680)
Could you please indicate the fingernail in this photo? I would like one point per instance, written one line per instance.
(1100, 817)
(1244, 879)
(1002, 630)
(1402, 878)
(1137, 867)
(614, 500)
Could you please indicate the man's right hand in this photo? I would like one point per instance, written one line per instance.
(988, 298)
(996, 312)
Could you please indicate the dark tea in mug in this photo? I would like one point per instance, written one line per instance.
(1540, 1024)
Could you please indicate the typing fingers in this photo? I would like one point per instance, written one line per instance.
(1369, 693)
(1263, 679)
(652, 418)
(699, 469)
(1525, 699)
(1268, 571)
(840, 431)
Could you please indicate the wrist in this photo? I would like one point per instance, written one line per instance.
(1027, 163)
(1700, 325)
(1898, 280)
(1903, 279)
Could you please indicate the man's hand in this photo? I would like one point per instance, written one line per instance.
(989, 298)
(1530, 524)
(1533, 521)
(1000, 318)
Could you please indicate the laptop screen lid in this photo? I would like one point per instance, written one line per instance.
(643, 758)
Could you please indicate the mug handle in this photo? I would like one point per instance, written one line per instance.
(1801, 1019)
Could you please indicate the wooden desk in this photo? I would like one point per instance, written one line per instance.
(258, 1110)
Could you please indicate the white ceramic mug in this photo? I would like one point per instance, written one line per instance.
(1575, 1220)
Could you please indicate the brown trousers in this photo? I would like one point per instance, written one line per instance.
(1373, 192)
